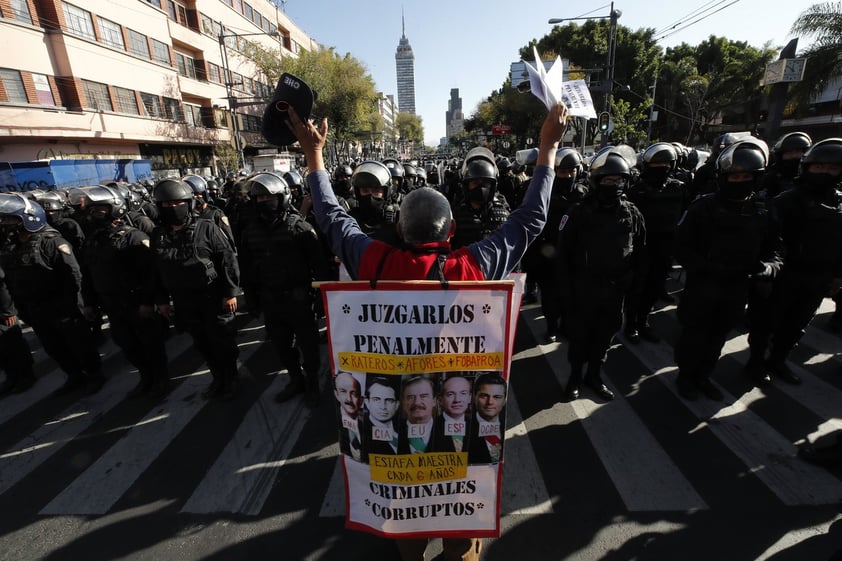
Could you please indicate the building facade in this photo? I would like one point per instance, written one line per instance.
(405, 67)
(161, 80)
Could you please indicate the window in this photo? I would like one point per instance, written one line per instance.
(126, 101)
(177, 12)
(193, 115)
(156, 3)
(257, 19)
(249, 13)
(13, 85)
(251, 123)
(43, 89)
(79, 21)
(208, 26)
(97, 96)
(138, 44)
(111, 34)
(160, 52)
(237, 81)
(214, 73)
(173, 109)
(238, 6)
(152, 105)
(20, 11)
(186, 65)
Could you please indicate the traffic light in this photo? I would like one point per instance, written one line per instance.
(604, 119)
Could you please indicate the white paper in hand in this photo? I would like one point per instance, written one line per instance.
(549, 86)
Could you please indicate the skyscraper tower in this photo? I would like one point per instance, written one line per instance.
(405, 66)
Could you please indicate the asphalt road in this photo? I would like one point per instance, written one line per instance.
(648, 476)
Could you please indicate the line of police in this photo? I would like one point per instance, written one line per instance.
(763, 229)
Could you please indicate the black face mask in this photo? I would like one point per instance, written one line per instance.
(479, 195)
(562, 186)
(788, 168)
(821, 181)
(736, 191)
(608, 195)
(268, 210)
(99, 219)
(656, 176)
(341, 187)
(174, 215)
(372, 204)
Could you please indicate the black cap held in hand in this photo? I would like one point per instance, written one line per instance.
(291, 92)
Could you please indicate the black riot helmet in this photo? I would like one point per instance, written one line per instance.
(792, 142)
(372, 174)
(660, 153)
(479, 164)
(746, 156)
(172, 189)
(568, 158)
(269, 183)
(51, 201)
(104, 195)
(610, 171)
(410, 172)
(787, 153)
(213, 188)
(342, 172)
(199, 185)
(828, 151)
(31, 214)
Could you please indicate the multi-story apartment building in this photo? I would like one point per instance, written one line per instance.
(136, 79)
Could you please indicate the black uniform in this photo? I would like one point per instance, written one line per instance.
(119, 278)
(217, 215)
(661, 207)
(198, 269)
(475, 224)
(540, 257)
(15, 354)
(280, 259)
(811, 228)
(44, 278)
(721, 244)
(377, 221)
(600, 254)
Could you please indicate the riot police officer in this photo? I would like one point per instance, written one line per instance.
(204, 209)
(119, 278)
(661, 200)
(44, 278)
(280, 257)
(810, 217)
(726, 242)
(200, 276)
(784, 164)
(569, 188)
(482, 209)
(373, 189)
(600, 255)
(58, 216)
(15, 354)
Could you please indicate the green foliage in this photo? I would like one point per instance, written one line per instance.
(822, 21)
(226, 157)
(630, 122)
(409, 127)
(346, 92)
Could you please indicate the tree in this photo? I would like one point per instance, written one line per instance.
(345, 90)
(227, 158)
(409, 128)
(629, 122)
(822, 21)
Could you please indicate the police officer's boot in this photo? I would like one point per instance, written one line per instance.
(755, 369)
(312, 391)
(594, 380)
(776, 365)
(297, 384)
(571, 391)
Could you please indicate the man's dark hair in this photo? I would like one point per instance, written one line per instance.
(489, 378)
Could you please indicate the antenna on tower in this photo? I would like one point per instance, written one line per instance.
(403, 25)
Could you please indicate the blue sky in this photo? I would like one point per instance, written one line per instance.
(469, 44)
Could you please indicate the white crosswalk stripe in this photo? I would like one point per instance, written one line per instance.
(241, 477)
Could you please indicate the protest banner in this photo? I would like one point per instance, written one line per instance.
(420, 376)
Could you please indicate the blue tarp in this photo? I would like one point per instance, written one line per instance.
(61, 174)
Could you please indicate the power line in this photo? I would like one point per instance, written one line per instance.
(682, 19)
(695, 21)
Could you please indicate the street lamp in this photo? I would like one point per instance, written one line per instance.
(233, 101)
(608, 85)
